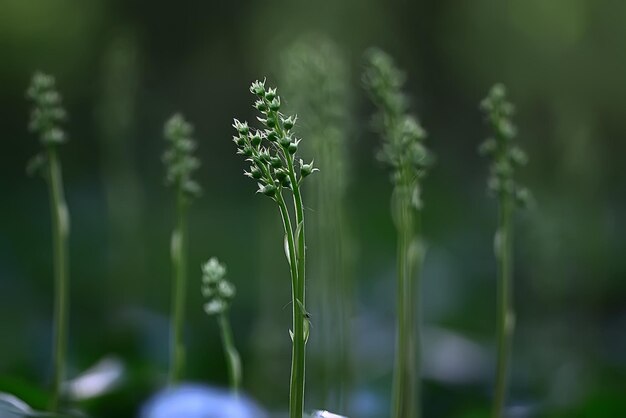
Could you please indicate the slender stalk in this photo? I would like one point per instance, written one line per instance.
(505, 315)
(219, 293)
(179, 286)
(414, 293)
(407, 364)
(296, 387)
(403, 149)
(506, 158)
(232, 355)
(271, 155)
(300, 338)
(60, 234)
(180, 164)
(296, 266)
(45, 120)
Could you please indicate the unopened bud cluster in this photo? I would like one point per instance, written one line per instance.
(218, 291)
(178, 158)
(506, 156)
(48, 111)
(270, 150)
(403, 136)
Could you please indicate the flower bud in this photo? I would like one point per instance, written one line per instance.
(285, 141)
(306, 169)
(265, 156)
(268, 190)
(518, 156)
(272, 136)
(289, 122)
(271, 94)
(281, 175)
(271, 122)
(242, 128)
(522, 197)
(260, 106)
(293, 147)
(239, 140)
(488, 147)
(255, 139)
(276, 162)
(275, 104)
(255, 172)
(258, 88)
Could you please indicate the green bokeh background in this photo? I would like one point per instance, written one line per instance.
(125, 66)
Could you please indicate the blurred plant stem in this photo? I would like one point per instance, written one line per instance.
(179, 287)
(180, 163)
(315, 75)
(45, 120)
(506, 158)
(505, 316)
(60, 235)
(296, 387)
(125, 200)
(219, 293)
(406, 390)
(404, 151)
(232, 355)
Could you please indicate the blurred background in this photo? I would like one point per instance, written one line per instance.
(125, 66)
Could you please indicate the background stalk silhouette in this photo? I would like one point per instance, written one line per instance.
(45, 119)
(506, 157)
(219, 293)
(404, 152)
(180, 164)
(315, 74)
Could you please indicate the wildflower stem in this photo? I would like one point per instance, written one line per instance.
(272, 165)
(60, 234)
(300, 338)
(296, 388)
(403, 149)
(178, 290)
(180, 164)
(232, 355)
(407, 368)
(506, 316)
(506, 158)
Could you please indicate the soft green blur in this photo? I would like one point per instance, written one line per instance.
(124, 67)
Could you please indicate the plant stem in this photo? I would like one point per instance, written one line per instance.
(296, 388)
(60, 234)
(232, 355)
(296, 407)
(413, 294)
(506, 315)
(405, 399)
(178, 249)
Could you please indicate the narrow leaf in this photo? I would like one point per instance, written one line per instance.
(298, 233)
(286, 245)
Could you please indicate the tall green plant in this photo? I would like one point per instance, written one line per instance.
(506, 157)
(271, 152)
(219, 293)
(45, 120)
(315, 74)
(403, 150)
(180, 163)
